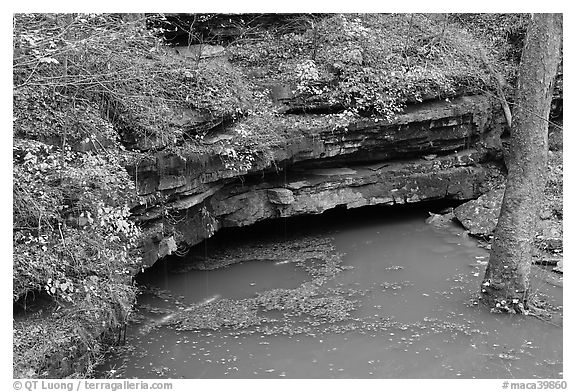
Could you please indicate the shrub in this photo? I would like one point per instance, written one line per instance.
(65, 63)
(371, 64)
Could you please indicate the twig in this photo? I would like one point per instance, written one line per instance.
(100, 144)
(406, 41)
(64, 243)
(501, 95)
(525, 109)
(30, 76)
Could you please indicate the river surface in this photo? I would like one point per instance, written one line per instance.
(371, 294)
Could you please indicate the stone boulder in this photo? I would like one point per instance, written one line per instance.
(280, 196)
(441, 220)
(480, 216)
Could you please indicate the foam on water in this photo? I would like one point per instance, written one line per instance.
(414, 285)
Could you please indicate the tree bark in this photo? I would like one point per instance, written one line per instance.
(505, 286)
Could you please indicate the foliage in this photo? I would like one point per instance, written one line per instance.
(72, 239)
(68, 343)
(72, 235)
(71, 220)
(502, 34)
(119, 67)
(371, 63)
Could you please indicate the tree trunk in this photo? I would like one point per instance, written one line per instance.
(506, 283)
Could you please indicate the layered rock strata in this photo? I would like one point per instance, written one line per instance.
(435, 150)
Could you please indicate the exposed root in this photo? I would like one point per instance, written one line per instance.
(545, 312)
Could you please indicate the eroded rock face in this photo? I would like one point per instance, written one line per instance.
(429, 128)
(317, 190)
(438, 150)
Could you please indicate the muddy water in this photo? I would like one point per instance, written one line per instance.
(398, 301)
